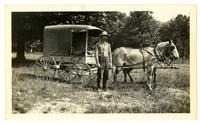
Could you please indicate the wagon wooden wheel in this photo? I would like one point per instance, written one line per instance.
(67, 72)
(94, 71)
(84, 73)
(45, 67)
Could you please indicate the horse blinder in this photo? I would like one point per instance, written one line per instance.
(169, 52)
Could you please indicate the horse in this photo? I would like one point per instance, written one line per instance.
(148, 57)
(33, 46)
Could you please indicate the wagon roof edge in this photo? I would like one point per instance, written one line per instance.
(75, 27)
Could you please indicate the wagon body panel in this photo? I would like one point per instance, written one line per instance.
(68, 49)
(69, 42)
(57, 42)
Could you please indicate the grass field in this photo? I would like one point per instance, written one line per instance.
(31, 95)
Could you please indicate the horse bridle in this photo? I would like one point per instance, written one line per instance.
(163, 58)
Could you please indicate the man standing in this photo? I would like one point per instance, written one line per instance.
(103, 57)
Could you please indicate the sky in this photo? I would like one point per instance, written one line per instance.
(165, 16)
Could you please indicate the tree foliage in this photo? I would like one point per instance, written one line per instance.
(136, 30)
(28, 26)
(140, 29)
(178, 30)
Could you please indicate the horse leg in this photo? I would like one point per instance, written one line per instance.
(125, 74)
(149, 78)
(115, 72)
(154, 78)
(130, 75)
(124, 71)
(151, 74)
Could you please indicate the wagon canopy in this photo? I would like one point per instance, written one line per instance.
(59, 39)
(92, 30)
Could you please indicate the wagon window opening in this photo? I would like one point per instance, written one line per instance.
(78, 43)
(91, 45)
(92, 42)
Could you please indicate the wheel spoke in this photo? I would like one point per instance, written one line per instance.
(38, 63)
(62, 73)
(43, 67)
(83, 73)
(67, 72)
(42, 61)
(47, 63)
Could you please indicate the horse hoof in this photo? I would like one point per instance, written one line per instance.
(150, 88)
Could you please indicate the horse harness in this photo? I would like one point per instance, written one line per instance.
(142, 52)
(156, 53)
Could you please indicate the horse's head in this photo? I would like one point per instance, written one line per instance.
(172, 51)
(168, 49)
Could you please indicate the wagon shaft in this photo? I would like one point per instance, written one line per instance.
(156, 67)
(167, 67)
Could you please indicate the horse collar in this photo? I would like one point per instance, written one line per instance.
(158, 54)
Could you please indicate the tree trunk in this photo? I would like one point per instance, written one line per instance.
(20, 51)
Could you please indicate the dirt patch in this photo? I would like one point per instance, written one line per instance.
(57, 106)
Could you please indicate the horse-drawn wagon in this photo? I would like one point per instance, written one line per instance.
(66, 50)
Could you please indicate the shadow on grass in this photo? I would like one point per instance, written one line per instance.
(129, 86)
(21, 63)
(28, 76)
(32, 76)
(87, 86)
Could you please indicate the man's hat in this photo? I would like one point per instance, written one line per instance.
(104, 33)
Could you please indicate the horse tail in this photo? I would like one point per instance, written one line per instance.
(113, 58)
(114, 61)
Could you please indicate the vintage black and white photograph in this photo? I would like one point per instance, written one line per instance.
(101, 61)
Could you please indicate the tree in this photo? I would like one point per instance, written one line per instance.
(178, 30)
(23, 29)
(28, 26)
(140, 29)
(113, 24)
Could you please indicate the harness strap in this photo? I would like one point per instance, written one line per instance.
(159, 57)
(124, 65)
(141, 50)
(155, 53)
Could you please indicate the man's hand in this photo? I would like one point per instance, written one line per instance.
(110, 65)
(98, 65)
